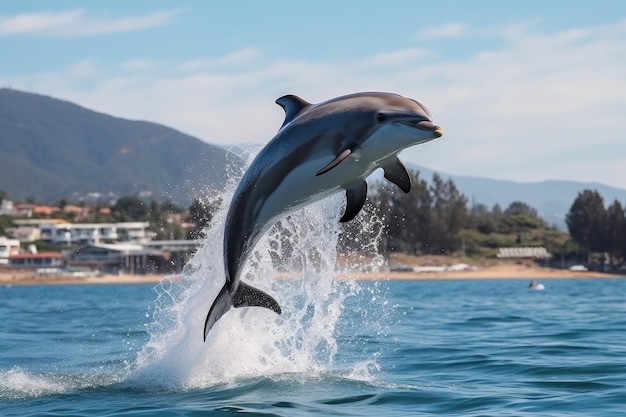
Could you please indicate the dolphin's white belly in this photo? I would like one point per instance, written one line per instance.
(301, 186)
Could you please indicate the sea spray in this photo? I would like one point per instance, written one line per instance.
(295, 262)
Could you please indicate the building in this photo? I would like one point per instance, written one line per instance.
(8, 248)
(24, 234)
(523, 253)
(30, 210)
(6, 208)
(69, 234)
(177, 252)
(37, 260)
(116, 258)
(29, 230)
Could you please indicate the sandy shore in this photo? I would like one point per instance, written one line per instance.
(500, 271)
(506, 271)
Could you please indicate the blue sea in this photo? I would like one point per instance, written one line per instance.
(393, 348)
(339, 348)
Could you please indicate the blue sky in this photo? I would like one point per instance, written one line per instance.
(525, 91)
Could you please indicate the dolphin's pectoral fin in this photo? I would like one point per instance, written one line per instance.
(355, 199)
(220, 306)
(248, 296)
(396, 172)
(343, 155)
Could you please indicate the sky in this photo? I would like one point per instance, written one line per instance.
(525, 91)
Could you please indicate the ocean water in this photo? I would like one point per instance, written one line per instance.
(471, 348)
(340, 348)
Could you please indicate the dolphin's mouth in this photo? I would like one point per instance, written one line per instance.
(424, 125)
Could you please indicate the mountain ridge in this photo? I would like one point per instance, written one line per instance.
(51, 149)
(551, 198)
(60, 148)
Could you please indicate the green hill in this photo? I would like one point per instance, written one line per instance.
(52, 149)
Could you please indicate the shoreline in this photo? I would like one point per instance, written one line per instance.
(500, 272)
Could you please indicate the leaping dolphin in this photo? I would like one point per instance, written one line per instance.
(320, 149)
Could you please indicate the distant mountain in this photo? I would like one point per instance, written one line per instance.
(552, 198)
(52, 149)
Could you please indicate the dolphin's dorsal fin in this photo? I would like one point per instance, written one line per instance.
(396, 172)
(292, 105)
(355, 199)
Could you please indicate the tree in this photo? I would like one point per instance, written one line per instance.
(406, 217)
(427, 220)
(3, 196)
(615, 231)
(518, 218)
(586, 221)
(449, 216)
(520, 208)
(5, 223)
(130, 208)
(201, 212)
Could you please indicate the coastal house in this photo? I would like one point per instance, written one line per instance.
(30, 210)
(8, 248)
(131, 258)
(177, 252)
(37, 260)
(68, 234)
(6, 208)
(24, 234)
(77, 212)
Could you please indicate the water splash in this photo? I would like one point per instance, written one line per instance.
(18, 383)
(295, 262)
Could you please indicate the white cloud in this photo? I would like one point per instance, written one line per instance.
(83, 69)
(138, 65)
(535, 108)
(447, 30)
(236, 59)
(75, 23)
(393, 58)
(38, 22)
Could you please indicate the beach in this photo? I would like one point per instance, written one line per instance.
(504, 270)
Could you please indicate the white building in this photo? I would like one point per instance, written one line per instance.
(24, 234)
(67, 234)
(6, 208)
(130, 258)
(8, 248)
(524, 252)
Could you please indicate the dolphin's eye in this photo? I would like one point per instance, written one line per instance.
(381, 117)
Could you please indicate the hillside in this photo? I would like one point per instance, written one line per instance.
(51, 149)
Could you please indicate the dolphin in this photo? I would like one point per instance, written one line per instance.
(320, 149)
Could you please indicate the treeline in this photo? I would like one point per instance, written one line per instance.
(434, 219)
(598, 229)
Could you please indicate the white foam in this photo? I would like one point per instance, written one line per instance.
(18, 383)
(250, 342)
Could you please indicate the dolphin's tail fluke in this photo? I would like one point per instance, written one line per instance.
(246, 296)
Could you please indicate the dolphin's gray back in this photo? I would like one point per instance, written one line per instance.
(337, 122)
(319, 150)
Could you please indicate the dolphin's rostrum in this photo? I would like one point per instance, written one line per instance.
(320, 149)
